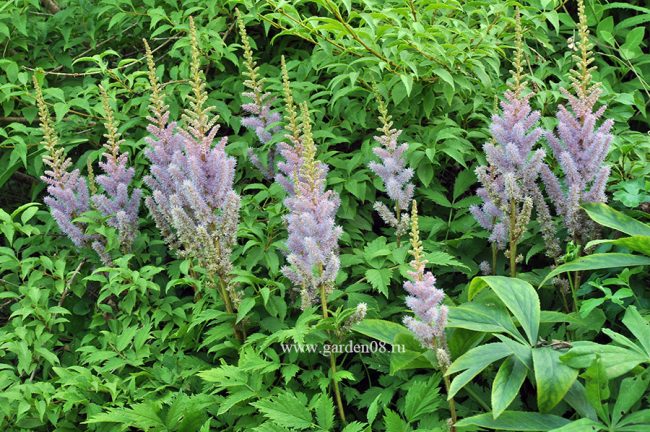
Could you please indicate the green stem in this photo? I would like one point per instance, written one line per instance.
(452, 406)
(337, 393)
(226, 300)
(494, 259)
(513, 239)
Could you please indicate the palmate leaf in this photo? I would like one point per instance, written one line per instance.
(482, 318)
(518, 296)
(473, 362)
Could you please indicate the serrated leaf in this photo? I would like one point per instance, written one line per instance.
(379, 279)
(421, 398)
(285, 410)
(324, 409)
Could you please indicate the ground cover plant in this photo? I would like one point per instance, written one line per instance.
(324, 215)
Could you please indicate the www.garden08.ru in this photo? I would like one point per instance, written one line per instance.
(327, 349)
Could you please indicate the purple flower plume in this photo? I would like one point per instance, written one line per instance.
(580, 145)
(509, 185)
(393, 172)
(191, 178)
(424, 299)
(116, 203)
(313, 234)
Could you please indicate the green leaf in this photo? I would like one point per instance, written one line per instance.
(639, 327)
(394, 423)
(479, 317)
(506, 385)
(617, 360)
(421, 398)
(324, 409)
(598, 262)
(519, 421)
(597, 387)
(631, 391)
(607, 216)
(553, 378)
(285, 410)
(518, 296)
(244, 307)
(581, 425)
(635, 243)
(465, 179)
(382, 330)
(473, 362)
(445, 76)
(379, 279)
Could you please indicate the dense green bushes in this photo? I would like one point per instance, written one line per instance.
(145, 341)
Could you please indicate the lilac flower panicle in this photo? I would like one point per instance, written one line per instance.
(262, 119)
(116, 203)
(509, 186)
(68, 194)
(313, 260)
(393, 172)
(424, 299)
(191, 178)
(580, 145)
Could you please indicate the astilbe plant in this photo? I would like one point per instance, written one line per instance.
(313, 260)
(193, 202)
(312, 231)
(425, 300)
(394, 173)
(509, 183)
(116, 203)
(68, 193)
(262, 119)
(580, 146)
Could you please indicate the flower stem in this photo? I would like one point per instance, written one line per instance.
(226, 300)
(337, 393)
(513, 240)
(494, 258)
(452, 405)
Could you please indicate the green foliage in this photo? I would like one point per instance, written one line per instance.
(144, 344)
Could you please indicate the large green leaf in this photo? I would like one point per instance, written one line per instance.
(520, 421)
(506, 384)
(483, 318)
(616, 360)
(518, 296)
(473, 362)
(553, 378)
(607, 216)
(597, 262)
(635, 243)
